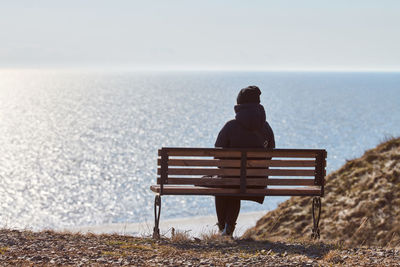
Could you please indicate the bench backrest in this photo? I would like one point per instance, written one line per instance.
(246, 169)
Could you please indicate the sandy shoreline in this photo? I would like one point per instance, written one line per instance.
(195, 226)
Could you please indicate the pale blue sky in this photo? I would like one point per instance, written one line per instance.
(206, 34)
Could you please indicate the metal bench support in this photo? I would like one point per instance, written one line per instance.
(316, 208)
(157, 211)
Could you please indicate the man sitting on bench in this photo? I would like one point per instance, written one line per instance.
(249, 129)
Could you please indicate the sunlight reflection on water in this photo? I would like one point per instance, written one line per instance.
(80, 148)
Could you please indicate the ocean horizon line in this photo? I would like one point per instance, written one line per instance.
(190, 69)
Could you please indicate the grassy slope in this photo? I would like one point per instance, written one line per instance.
(361, 204)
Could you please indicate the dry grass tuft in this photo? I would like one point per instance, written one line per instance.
(180, 236)
(3, 250)
(215, 237)
(334, 257)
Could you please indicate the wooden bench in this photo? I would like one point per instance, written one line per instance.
(242, 173)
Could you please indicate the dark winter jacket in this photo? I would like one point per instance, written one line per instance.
(248, 130)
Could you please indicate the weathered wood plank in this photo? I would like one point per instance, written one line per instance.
(203, 162)
(281, 163)
(281, 154)
(294, 182)
(210, 171)
(175, 190)
(236, 163)
(236, 181)
(236, 172)
(219, 152)
(203, 153)
(242, 149)
(280, 172)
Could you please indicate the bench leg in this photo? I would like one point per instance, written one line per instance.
(157, 211)
(316, 214)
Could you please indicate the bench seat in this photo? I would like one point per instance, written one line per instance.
(190, 190)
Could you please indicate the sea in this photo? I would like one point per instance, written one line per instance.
(80, 147)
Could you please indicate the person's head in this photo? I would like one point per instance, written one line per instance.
(250, 94)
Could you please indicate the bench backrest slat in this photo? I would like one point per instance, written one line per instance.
(236, 172)
(236, 163)
(236, 153)
(236, 181)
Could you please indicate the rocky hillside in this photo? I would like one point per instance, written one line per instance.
(361, 204)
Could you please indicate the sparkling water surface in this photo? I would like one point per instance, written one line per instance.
(80, 148)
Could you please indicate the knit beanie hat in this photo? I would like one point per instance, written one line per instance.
(250, 94)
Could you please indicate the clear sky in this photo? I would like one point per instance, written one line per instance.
(202, 34)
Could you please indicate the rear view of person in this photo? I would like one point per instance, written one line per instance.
(249, 129)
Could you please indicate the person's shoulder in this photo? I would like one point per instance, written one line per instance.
(229, 126)
(231, 123)
(267, 124)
